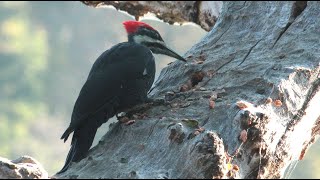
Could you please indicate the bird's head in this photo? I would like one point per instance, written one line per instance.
(144, 34)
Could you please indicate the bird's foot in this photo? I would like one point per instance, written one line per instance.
(157, 102)
(134, 112)
(126, 121)
(128, 118)
(172, 95)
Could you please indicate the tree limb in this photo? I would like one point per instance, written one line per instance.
(203, 13)
(250, 120)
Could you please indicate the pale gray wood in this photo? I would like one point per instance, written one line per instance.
(255, 51)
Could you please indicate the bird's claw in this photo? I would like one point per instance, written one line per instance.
(157, 102)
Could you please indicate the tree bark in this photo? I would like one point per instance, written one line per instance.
(203, 13)
(246, 104)
(24, 167)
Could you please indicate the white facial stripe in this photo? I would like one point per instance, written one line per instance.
(140, 38)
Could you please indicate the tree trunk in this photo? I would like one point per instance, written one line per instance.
(246, 104)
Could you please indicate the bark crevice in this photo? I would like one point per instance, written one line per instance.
(297, 8)
(269, 101)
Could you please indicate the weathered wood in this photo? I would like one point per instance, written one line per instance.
(24, 167)
(203, 13)
(245, 105)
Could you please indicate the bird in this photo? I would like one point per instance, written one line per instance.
(119, 79)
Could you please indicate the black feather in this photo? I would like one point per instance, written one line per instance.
(117, 81)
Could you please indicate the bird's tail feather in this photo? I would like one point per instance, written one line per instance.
(81, 142)
(66, 134)
(69, 158)
(84, 135)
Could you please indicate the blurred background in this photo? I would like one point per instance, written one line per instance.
(46, 52)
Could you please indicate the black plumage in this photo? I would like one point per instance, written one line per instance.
(116, 81)
(119, 79)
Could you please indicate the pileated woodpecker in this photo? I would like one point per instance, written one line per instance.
(119, 79)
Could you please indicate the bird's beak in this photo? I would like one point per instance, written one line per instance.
(171, 53)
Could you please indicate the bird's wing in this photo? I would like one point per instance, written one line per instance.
(123, 62)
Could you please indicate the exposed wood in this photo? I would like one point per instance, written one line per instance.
(24, 167)
(203, 13)
(261, 68)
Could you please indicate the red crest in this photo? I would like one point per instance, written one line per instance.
(133, 26)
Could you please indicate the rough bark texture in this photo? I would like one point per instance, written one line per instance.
(24, 167)
(245, 105)
(203, 13)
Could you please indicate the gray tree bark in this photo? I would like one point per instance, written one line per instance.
(24, 167)
(203, 13)
(246, 104)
